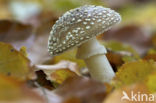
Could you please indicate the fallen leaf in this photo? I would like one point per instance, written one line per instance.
(115, 60)
(154, 39)
(48, 69)
(23, 50)
(70, 56)
(13, 91)
(73, 100)
(42, 80)
(150, 57)
(59, 72)
(117, 46)
(19, 35)
(151, 82)
(61, 75)
(14, 63)
(131, 94)
(135, 36)
(82, 89)
(132, 72)
(16, 33)
(119, 53)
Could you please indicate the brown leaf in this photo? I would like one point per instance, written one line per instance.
(72, 100)
(150, 57)
(82, 89)
(133, 35)
(154, 39)
(42, 80)
(16, 33)
(19, 34)
(115, 60)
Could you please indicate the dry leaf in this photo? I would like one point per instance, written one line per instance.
(115, 60)
(16, 33)
(82, 89)
(48, 69)
(135, 36)
(131, 94)
(151, 82)
(13, 91)
(14, 63)
(132, 72)
(71, 56)
(61, 75)
(42, 80)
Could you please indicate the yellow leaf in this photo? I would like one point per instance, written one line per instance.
(13, 63)
(13, 91)
(151, 82)
(70, 56)
(23, 50)
(61, 75)
(118, 46)
(132, 72)
(9, 88)
(126, 94)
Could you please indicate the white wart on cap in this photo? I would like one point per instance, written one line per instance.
(79, 25)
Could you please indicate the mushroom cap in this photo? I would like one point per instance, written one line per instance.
(79, 25)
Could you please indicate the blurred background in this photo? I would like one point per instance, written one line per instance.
(28, 23)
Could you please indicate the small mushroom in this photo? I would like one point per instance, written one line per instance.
(79, 27)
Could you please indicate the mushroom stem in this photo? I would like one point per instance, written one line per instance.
(93, 53)
(100, 68)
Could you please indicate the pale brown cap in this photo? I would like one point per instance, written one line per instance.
(79, 25)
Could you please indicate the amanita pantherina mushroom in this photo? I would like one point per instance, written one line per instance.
(79, 27)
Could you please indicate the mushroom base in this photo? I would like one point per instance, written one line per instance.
(99, 67)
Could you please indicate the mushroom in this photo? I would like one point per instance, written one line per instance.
(79, 27)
